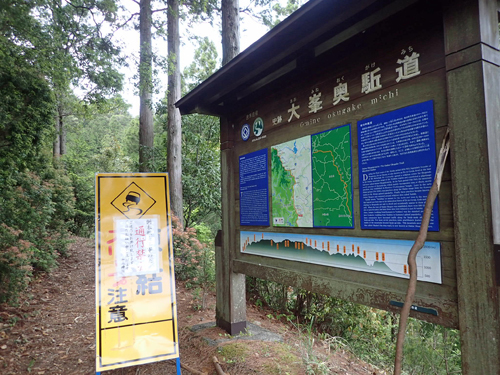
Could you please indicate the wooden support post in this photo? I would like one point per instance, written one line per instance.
(473, 79)
(230, 311)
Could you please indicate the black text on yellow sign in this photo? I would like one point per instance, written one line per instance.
(136, 317)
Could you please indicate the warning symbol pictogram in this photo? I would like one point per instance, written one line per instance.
(133, 202)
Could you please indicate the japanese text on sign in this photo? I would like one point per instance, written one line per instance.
(137, 247)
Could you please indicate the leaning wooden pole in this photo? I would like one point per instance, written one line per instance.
(419, 243)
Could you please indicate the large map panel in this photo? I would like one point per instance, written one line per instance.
(312, 181)
(332, 178)
(292, 183)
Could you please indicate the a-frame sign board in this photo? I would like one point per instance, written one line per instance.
(136, 312)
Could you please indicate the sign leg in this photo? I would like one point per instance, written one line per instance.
(178, 364)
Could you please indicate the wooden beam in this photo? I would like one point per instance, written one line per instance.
(473, 110)
(230, 311)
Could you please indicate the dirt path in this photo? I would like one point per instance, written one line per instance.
(53, 332)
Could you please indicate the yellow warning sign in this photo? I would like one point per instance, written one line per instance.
(136, 316)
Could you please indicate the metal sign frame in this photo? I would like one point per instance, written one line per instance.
(136, 314)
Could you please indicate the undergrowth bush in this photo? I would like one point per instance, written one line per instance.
(194, 258)
(15, 263)
(369, 333)
(83, 217)
(36, 212)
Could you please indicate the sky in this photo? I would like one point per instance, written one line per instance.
(250, 31)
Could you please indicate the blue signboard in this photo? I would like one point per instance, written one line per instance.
(397, 164)
(254, 189)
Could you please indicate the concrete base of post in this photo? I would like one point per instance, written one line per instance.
(232, 328)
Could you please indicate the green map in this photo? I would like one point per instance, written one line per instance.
(332, 178)
(292, 183)
(312, 182)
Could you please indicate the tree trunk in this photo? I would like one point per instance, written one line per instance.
(174, 156)
(146, 134)
(60, 138)
(57, 140)
(62, 135)
(230, 30)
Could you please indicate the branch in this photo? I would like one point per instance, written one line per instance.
(217, 367)
(159, 10)
(89, 9)
(78, 6)
(192, 370)
(419, 243)
(126, 22)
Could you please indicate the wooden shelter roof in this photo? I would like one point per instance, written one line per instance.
(315, 28)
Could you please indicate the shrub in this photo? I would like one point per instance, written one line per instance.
(15, 263)
(368, 332)
(194, 260)
(36, 212)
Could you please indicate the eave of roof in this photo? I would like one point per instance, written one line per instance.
(305, 32)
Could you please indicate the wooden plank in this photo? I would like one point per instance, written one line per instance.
(470, 22)
(477, 293)
(375, 296)
(275, 49)
(431, 86)
(492, 101)
(473, 112)
(230, 300)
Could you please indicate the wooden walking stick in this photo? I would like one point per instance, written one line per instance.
(419, 243)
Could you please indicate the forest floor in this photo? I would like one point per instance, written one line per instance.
(52, 331)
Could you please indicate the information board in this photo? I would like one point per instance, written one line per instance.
(397, 164)
(136, 318)
(254, 190)
(373, 255)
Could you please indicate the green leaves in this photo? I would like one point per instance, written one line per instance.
(25, 110)
(271, 12)
(200, 169)
(204, 64)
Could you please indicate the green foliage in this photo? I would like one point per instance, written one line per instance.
(65, 42)
(201, 171)
(271, 12)
(96, 142)
(431, 349)
(205, 63)
(315, 364)
(15, 265)
(41, 206)
(367, 332)
(36, 199)
(194, 259)
(26, 110)
(37, 209)
(233, 352)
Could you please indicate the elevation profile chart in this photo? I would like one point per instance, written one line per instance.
(373, 255)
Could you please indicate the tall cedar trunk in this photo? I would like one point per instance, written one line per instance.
(146, 135)
(57, 140)
(230, 30)
(174, 156)
(60, 140)
(62, 134)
